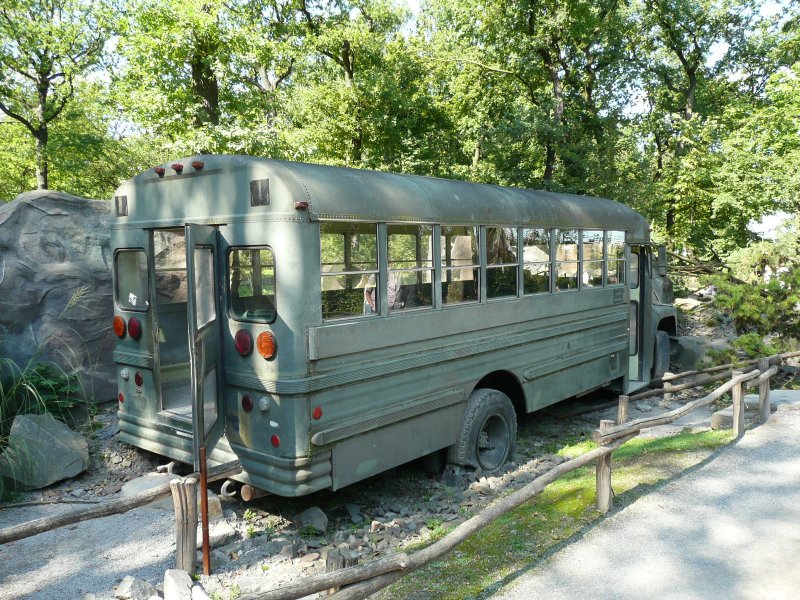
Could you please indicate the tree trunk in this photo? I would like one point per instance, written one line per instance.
(42, 167)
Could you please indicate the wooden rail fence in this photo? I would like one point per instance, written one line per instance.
(366, 579)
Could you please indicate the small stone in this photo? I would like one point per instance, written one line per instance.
(310, 557)
(288, 550)
(79, 493)
(375, 526)
(219, 534)
(312, 518)
(198, 593)
(134, 589)
(643, 406)
(177, 585)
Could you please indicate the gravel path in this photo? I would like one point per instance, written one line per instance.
(730, 529)
(90, 557)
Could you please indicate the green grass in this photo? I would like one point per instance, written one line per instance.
(564, 509)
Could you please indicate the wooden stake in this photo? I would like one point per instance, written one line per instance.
(204, 512)
(738, 405)
(339, 559)
(605, 500)
(667, 388)
(184, 498)
(763, 392)
(622, 409)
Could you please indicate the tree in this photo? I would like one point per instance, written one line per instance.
(45, 45)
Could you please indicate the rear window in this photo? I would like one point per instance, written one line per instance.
(132, 290)
(251, 284)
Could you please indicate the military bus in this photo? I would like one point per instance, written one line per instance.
(321, 324)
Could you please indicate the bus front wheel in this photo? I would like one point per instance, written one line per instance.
(488, 432)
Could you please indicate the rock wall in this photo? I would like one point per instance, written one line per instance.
(56, 299)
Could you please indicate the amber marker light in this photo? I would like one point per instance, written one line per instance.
(265, 343)
(197, 164)
(119, 326)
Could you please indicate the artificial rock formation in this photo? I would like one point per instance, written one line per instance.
(55, 286)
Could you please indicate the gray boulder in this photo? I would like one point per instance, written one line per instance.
(177, 585)
(42, 451)
(53, 245)
(312, 518)
(690, 351)
(135, 589)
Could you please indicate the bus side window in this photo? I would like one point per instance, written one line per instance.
(567, 259)
(592, 256)
(460, 264)
(501, 262)
(536, 261)
(410, 267)
(349, 269)
(634, 267)
(615, 251)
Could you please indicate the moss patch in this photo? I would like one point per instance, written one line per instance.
(564, 509)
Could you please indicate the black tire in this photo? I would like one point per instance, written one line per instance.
(660, 355)
(488, 432)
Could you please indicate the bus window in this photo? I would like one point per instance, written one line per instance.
(615, 250)
(251, 284)
(566, 259)
(410, 267)
(634, 268)
(132, 289)
(592, 249)
(501, 262)
(536, 260)
(460, 264)
(349, 257)
(170, 264)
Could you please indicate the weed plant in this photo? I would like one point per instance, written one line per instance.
(38, 387)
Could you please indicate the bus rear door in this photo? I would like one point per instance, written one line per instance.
(205, 355)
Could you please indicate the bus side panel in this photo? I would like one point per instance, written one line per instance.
(371, 453)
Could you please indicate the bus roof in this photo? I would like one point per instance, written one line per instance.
(338, 193)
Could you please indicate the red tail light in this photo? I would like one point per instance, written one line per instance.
(121, 398)
(119, 326)
(135, 328)
(138, 379)
(243, 342)
(276, 441)
(317, 414)
(247, 403)
(266, 345)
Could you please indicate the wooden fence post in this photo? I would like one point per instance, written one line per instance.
(667, 386)
(737, 394)
(339, 558)
(605, 500)
(184, 498)
(622, 409)
(763, 392)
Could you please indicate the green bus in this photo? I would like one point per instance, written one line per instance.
(324, 324)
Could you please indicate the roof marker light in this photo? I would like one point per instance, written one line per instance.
(160, 171)
(301, 205)
(197, 164)
(178, 168)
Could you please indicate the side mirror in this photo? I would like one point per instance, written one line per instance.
(662, 261)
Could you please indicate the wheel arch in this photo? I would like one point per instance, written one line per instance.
(506, 382)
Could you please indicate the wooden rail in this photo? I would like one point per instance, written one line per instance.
(113, 507)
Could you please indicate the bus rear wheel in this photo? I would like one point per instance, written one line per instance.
(488, 432)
